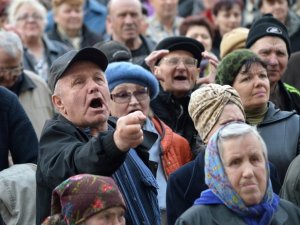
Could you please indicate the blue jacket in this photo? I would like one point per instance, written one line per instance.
(16, 132)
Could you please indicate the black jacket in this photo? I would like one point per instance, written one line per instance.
(53, 49)
(66, 150)
(89, 38)
(174, 113)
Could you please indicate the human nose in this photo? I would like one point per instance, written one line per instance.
(133, 100)
(273, 59)
(247, 170)
(93, 86)
(128, 19)
(180, 64)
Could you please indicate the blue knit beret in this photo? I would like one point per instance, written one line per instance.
(126, 72)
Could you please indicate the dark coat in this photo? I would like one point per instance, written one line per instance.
(16, 132)
(53, 49)
(66, 150)
(186, 184)
(174, 113)
(287, 214)
(89, 38)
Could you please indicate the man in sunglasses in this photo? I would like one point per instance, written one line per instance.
(33, 92)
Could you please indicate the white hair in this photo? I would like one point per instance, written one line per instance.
(235, 130)
(16, 4)
(11, 43)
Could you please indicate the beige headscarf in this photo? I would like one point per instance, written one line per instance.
(207, 104)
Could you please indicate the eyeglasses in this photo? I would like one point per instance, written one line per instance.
(27, 17)
(125, 96)
(175, 61)
(14, 72)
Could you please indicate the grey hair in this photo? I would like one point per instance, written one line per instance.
(235, 130)
(16, 4)
(11, 43)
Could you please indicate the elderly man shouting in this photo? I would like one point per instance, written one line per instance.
(81, 139)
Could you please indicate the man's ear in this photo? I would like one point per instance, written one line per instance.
(58, 104)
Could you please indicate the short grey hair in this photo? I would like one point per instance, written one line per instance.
(235, 130)
(11, 43)
(16, 4)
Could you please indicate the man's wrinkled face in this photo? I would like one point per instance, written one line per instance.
(179, 72)
(82, 95)
(124, 20)
(273, 50)
(10, 68)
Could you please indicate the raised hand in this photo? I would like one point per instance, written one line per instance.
(129, 133)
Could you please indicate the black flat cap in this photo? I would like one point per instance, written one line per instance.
(61, 64)
(114, 51)
(182, 43)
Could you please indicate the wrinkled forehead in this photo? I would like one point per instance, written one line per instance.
(268, 42)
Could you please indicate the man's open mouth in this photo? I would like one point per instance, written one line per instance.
(96, 103)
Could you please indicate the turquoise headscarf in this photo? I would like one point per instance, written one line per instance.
(221, 191)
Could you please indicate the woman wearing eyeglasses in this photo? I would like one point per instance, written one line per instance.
(132, 87)
(28, 17)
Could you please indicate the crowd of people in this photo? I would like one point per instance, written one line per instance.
(149, 112)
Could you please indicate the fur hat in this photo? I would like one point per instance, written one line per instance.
(268, 26)
(234, 39)
(126, 72)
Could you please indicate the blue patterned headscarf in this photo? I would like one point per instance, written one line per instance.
(221, 191)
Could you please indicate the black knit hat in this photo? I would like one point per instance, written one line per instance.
(182, 43)
(268, 26)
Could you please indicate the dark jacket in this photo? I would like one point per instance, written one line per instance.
(89, 38)
(66, 150)
(186, 184)
(53, 49)
(287, 214)
(292, 25)
(290, 188)
(280, 131)
(291, 96)
(174, 113)
(16, 132)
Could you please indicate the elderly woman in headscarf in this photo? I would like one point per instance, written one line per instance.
(87, 199)
(240, 190)
(247, 74)
(210, 107)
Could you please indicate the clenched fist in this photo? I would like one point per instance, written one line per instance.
(129, 133)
